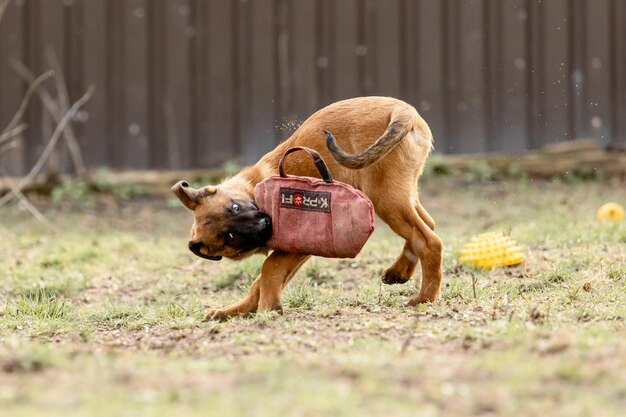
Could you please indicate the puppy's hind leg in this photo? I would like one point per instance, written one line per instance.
(403, 267)
(422, 242)
(424, 215)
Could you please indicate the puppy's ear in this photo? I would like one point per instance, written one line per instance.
(208, 190)
(189, 196)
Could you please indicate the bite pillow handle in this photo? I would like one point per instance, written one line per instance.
(317, 160)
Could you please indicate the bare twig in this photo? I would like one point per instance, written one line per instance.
(3, 7)
(8, 146)
(51, 144)
(31, 89)
(70, 138)
(59, 79)
(27, 76)
(9, 135)
(32, 209)
(47, 127)
(56, 110)
(474, 285)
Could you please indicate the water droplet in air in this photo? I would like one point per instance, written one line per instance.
(360, 50)
(134, 129)
(596, 122)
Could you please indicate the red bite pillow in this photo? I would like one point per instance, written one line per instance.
(314, 216)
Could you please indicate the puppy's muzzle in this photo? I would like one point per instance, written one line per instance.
(195, 247)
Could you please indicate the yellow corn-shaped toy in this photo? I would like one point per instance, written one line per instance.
(492, 249)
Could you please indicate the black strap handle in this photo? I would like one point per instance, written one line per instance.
(317, 160)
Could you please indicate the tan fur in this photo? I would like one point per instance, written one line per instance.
(388, 142)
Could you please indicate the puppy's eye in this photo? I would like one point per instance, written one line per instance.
(236, 208)
(230, 237)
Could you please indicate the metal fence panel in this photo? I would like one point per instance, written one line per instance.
(195, 83)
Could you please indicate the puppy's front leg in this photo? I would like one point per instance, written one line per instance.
(278, 269)
(246, 305)
(265, 293)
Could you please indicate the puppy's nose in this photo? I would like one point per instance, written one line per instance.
(265, 222)
(195, 246)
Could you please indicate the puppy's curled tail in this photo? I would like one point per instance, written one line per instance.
(401, 124)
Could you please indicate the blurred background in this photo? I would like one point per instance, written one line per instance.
(194, 83)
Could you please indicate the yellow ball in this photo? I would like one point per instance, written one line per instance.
(610, 211)
(492, 249)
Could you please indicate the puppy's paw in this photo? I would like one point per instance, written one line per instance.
(270, 306)
(421, 299)
(391, 278)
(216, 314)
(208, 314)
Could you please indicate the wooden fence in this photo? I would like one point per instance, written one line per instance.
(194, 83)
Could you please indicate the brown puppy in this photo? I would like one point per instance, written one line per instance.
(382, 146)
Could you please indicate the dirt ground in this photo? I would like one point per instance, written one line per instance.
(103, 316)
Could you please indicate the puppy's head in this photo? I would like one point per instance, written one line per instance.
(226, 223)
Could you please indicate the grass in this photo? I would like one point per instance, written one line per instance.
(104, 317)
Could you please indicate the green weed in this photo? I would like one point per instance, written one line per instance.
(40, 303)
(301, 294)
